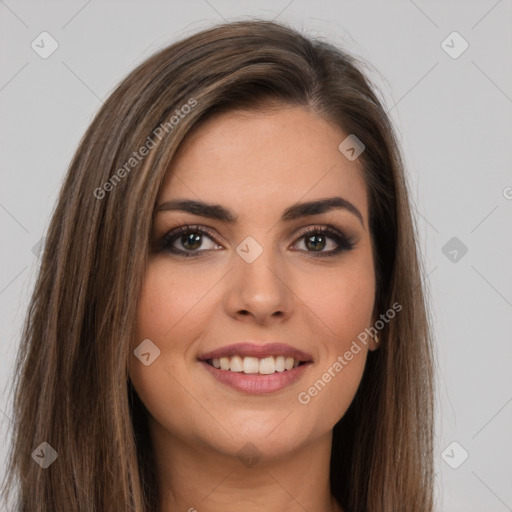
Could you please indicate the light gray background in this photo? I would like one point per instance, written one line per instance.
(454, 118)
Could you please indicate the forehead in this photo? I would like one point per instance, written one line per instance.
(261, 161)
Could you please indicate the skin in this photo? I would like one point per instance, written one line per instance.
(256, 163)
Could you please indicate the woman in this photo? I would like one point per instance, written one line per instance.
(229, 311)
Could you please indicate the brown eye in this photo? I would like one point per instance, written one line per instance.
(315, 242)
(191, 241)
(317, 238)
(187, 240)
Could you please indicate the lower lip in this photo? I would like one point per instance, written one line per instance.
(256, 383)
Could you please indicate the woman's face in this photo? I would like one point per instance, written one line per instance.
(248, 272)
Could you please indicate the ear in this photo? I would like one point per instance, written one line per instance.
(374, 341)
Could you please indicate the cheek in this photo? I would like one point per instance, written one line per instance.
(157, 309)
(349, 310)
(331, 391)
(332, 385)
(342, 305)
(169, 297)
(159, 318)
(168, 304)
(341, 301)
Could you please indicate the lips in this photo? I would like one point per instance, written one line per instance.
(256, 369)
(258, 351)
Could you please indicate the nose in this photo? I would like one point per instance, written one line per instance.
(259, 291)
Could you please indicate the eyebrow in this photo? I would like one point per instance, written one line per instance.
(218, 212)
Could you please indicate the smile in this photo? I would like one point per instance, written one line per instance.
(254, 365)
(256, 368)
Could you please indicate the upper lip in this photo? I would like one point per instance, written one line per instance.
(257, 350)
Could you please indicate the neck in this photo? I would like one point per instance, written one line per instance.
(198, 478)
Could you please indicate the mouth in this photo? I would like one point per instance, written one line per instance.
(252, 358)
(254, 365)
(255, 368)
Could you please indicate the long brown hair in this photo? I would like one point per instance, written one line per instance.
(72, 389)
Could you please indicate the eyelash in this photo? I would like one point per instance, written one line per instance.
(345, 243)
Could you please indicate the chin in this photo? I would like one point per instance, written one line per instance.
(275, 435)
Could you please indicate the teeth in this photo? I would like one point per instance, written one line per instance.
(253, 365)
(267, 366)
(236, 364)
(279, 364)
